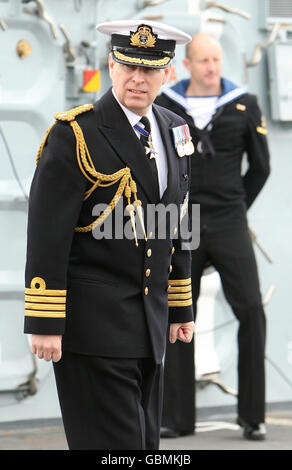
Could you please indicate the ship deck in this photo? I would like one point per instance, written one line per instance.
(215, 430)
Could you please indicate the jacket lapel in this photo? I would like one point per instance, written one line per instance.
(123, 139)
(165, 125)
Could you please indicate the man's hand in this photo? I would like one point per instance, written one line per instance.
(47, 347)
(182, 331)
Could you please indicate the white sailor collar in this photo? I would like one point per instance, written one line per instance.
(230, 92)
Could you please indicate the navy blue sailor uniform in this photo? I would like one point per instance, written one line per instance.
(224, 193)
(109, 297)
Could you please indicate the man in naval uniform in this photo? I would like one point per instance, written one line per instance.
(225, 122)
(99, 307)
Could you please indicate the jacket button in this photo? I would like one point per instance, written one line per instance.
(172, 250)
(146, 290)
(170, 269)
(147, 272)
(149, 253)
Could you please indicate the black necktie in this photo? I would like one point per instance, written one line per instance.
(152, 161)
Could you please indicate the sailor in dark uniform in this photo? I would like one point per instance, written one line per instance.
(99, 306)
(225, 122)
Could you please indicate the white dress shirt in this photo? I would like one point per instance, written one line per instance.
(160, 156)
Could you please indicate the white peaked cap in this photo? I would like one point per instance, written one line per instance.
(143, 43)
(162, 30)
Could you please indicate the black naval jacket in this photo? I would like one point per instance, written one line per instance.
(218, 184)
(107, 297)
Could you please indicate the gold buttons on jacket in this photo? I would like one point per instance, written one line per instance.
(170, 269)
(146, 290)
(172, 250)
(149, 252)
(147, 272)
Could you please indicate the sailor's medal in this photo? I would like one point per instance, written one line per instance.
(189, 146)
(180, 148)
(179, 140)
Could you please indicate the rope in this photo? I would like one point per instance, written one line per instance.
(127, 185)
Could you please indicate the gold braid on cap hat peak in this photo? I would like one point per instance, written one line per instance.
(127, 184)
(138, 60)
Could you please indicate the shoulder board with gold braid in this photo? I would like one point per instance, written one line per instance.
(69, 115)
(127, 184)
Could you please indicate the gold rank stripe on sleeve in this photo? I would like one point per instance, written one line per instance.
(184, 296)
(179, 282)
(179, 292)
(262, 130)
(44, 314)
(43, 302)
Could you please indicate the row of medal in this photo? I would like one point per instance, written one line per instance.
(183, 140)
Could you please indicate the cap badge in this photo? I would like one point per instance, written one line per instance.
(143, 37)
